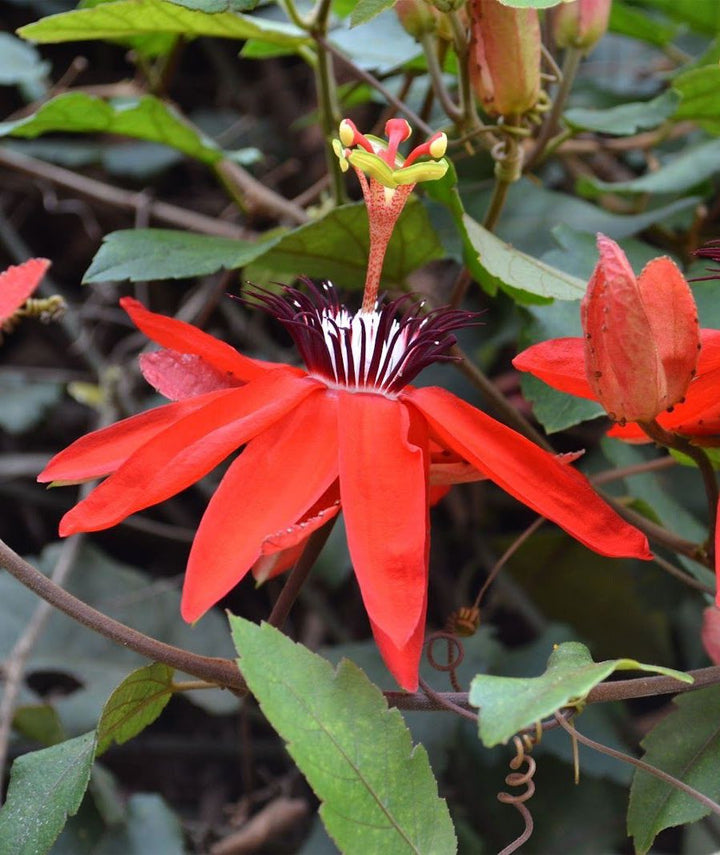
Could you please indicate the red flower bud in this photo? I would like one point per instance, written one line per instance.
(504, 57)
(641, 335)
(580, 23)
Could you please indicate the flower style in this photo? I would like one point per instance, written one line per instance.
(387, 179)
(16, 285)
(347, 432)
(642, 357)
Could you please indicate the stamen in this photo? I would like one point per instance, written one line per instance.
(379, 350)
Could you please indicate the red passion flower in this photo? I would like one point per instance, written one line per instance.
(642, 356)
(348, 432)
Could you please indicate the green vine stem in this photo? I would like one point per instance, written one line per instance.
(326, 88)
(452, 110)
(224, 672)
(470, 120)
(571, 63)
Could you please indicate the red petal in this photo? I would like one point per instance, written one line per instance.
(270, 566)
(18, 283)
(290, 536)
(711, 633)
(103, 451)
(185, 338)
(560, 363)
(672, 314)
(403, 662)
(281, 550)
(187, 450)
(699, 414)
(183, 375)
(529, 473)
(383, 489)
(273, 483)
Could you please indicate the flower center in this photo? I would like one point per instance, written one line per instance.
(381, 350)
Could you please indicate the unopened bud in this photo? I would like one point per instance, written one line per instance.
(417, 17)
(504, 57)
(641, 335)
(580, 23)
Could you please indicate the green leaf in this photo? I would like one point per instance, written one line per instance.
(624, 119)
(141, 825)
(39, 722)
(147, 254)
(677, 175)
(510, 704)
(141, 17)
(24, 404)
(518, 273)
(336, 246)
(366, 9)
(701, 15)
(378, 793)
(135, 704)
(21, 64)
(214, 6)
(626, 21)
(555, 410)
(699, 89)
(686, 745)
(45, 788)
(146, 118)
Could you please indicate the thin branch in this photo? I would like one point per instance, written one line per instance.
(210, 669)
(571, 63)
(255, 196)
(640, 764)
(126, 200)
(371, 80)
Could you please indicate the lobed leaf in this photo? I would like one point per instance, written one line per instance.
(686, 744)
(377, 791)
(147, 118)
(45, 788)
(135, 704)
(511, 704)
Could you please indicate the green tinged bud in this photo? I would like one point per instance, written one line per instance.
(580, 23)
